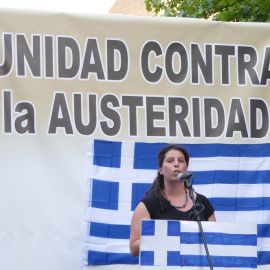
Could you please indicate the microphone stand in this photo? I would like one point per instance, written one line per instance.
(195, 214)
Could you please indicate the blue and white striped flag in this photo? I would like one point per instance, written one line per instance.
(235, 178)
(170, 244)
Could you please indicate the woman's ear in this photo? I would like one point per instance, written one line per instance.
(160, 170)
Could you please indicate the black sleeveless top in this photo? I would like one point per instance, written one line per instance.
(171, 213)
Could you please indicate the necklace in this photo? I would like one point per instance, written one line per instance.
(165, 196)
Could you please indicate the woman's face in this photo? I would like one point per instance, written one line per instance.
(173, 164)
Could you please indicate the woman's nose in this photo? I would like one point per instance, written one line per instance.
(176, 164)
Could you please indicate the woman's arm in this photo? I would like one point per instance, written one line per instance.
(212, 217)
(135, 228)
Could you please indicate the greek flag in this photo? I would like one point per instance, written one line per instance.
(170, 244)
(234, 177)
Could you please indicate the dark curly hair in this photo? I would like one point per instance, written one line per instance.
(158, 184)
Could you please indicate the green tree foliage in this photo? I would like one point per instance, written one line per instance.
(218, 10)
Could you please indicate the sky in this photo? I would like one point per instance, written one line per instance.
(77, 6)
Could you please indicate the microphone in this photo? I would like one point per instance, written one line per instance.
(182, 177)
